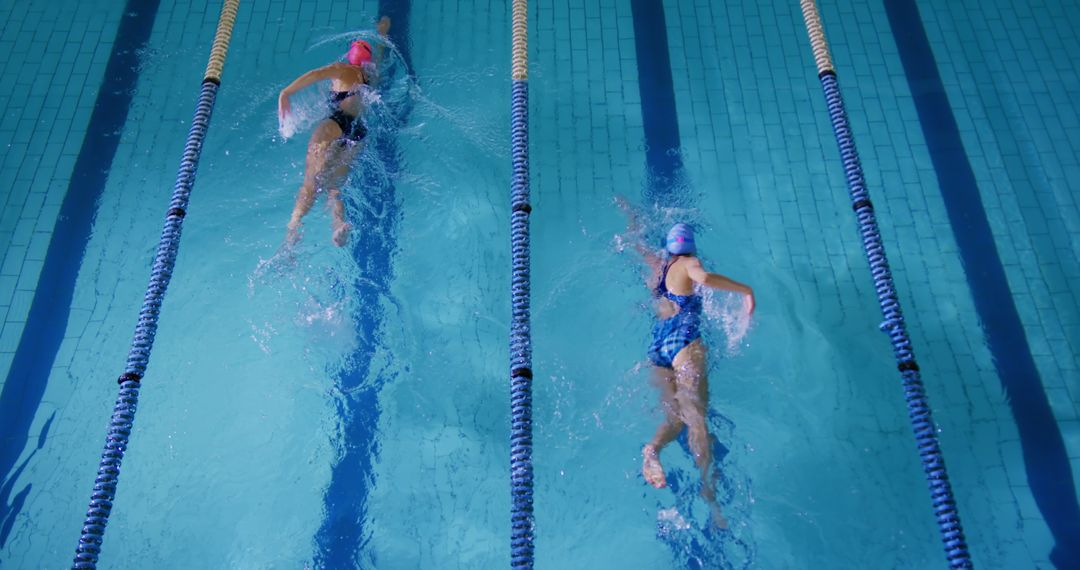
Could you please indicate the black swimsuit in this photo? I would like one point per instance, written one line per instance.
(352, 127)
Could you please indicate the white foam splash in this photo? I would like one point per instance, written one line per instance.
(307, 107)
(287, 125)
(672, 519)
(728, 312)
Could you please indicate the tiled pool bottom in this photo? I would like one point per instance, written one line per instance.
(758, 154)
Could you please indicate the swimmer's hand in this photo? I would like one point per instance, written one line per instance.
(633, 225)
(749, 303)
(634, 228)
(283, 105)
(383, 26)
(623, 204)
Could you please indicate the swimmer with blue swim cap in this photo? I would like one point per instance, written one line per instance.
(336, 140)
(680, 240)
(678, 354)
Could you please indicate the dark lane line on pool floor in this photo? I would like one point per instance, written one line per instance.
(343, 534)
(664, 166)
(51, 306)
(1045, 459)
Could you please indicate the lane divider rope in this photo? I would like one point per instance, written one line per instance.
(119, 431)
(521, 375)
(933, 461)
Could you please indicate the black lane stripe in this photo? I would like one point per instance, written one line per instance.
(1045, 459)
(658, 115)
(51, 306)
(347, 524)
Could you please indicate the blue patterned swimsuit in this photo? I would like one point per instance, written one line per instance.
(672, 334)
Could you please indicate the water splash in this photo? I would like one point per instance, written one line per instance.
(726, 311)
(669, 520)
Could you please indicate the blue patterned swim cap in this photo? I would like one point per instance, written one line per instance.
(680, 240)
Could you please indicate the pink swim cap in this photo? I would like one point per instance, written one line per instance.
(359, 52)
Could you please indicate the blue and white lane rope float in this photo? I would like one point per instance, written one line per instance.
(945, 510)
(119, 432)
(521, 468)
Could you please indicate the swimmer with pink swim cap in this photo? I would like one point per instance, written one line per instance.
(359, 53)
(337, 139)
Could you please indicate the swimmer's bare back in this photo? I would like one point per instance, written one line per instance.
(343, 77)
(349, 79)
(678, 282)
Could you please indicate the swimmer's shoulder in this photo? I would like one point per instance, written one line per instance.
(681, 266)
(345, 71)
(683, 262)
(345, 76)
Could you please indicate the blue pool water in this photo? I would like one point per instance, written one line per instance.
(349, 407)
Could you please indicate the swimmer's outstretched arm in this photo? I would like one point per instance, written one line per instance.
(383, 28)
(696, 272)
(314, 76)
(633, 227)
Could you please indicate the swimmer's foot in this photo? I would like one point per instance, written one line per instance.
(292, 236)
(341, 233)
(716, 518)
(651, 468)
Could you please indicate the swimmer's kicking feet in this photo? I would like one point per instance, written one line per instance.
(341, 232)
(651, 467)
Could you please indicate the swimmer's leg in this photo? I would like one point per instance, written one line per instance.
(651, 468)
(336, 174)
(317, 154)
(692, 396)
